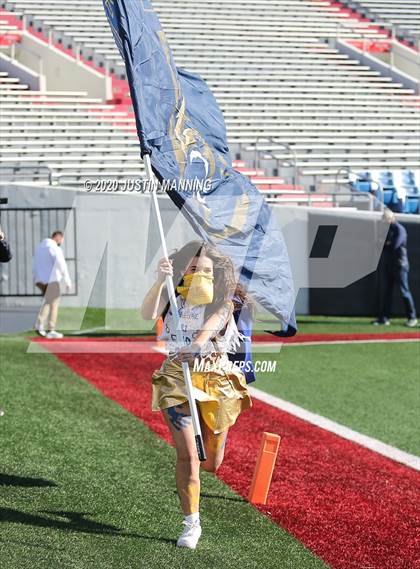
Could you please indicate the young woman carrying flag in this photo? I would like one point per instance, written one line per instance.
(207, 296)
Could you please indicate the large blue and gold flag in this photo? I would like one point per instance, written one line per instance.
(181, 126)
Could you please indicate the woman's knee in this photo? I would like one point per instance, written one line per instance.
(212, 464)
(187, 460)
(215, 445)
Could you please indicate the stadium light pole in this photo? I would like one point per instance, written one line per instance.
(174, 307)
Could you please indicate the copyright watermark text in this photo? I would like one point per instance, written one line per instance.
(136, 185)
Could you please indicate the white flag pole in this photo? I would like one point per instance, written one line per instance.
(172, 299)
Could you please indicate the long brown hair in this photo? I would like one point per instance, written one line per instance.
(226, 289)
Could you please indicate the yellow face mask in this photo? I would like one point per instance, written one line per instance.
(197, 288)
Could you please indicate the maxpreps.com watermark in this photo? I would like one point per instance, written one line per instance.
(221, 366)
(136, 185)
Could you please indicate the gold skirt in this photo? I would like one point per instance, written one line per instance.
(221, 393)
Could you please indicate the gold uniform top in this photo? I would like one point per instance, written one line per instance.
(220, 387)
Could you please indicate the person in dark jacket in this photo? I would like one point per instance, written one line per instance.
(5, 253)
(5, 256)
(396, 269)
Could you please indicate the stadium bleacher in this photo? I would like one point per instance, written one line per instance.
(404, 14)
(68, 135)
(67, 138)
(270, 66)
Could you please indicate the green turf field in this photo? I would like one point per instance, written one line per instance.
(84, 484)
(348, 325)
(371, 388)
(104, 321)
(129, 322)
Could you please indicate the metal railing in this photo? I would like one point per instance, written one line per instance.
(269, 148)
(376, 203)
(16, 168)
(16, 47)
(331, 199)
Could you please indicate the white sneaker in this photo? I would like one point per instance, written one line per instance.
(53, 335)
(411, 322)
(41, 330)
(190, 535)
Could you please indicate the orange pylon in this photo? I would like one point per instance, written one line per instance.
(159, 326)
(264, 468)
(159, 330)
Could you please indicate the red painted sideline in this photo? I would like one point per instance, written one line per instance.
(352, 507)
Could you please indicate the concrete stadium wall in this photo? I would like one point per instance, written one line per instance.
(118, 248)
(406, 59)
(405, 69)
(118, 244)
(110, 228)
(62, 72)
(35, 81)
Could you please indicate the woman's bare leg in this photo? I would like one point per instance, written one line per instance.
(179, 422)
(215, 448)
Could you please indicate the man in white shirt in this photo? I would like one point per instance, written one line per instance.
(49, 268)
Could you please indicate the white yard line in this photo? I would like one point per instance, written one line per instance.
(333, 342)
(368, 442)
(318, 420)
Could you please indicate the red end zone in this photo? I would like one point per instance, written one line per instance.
(352, 507)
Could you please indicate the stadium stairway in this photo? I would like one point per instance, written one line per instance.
(276, 78)
(9, 32)
(403, 14)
